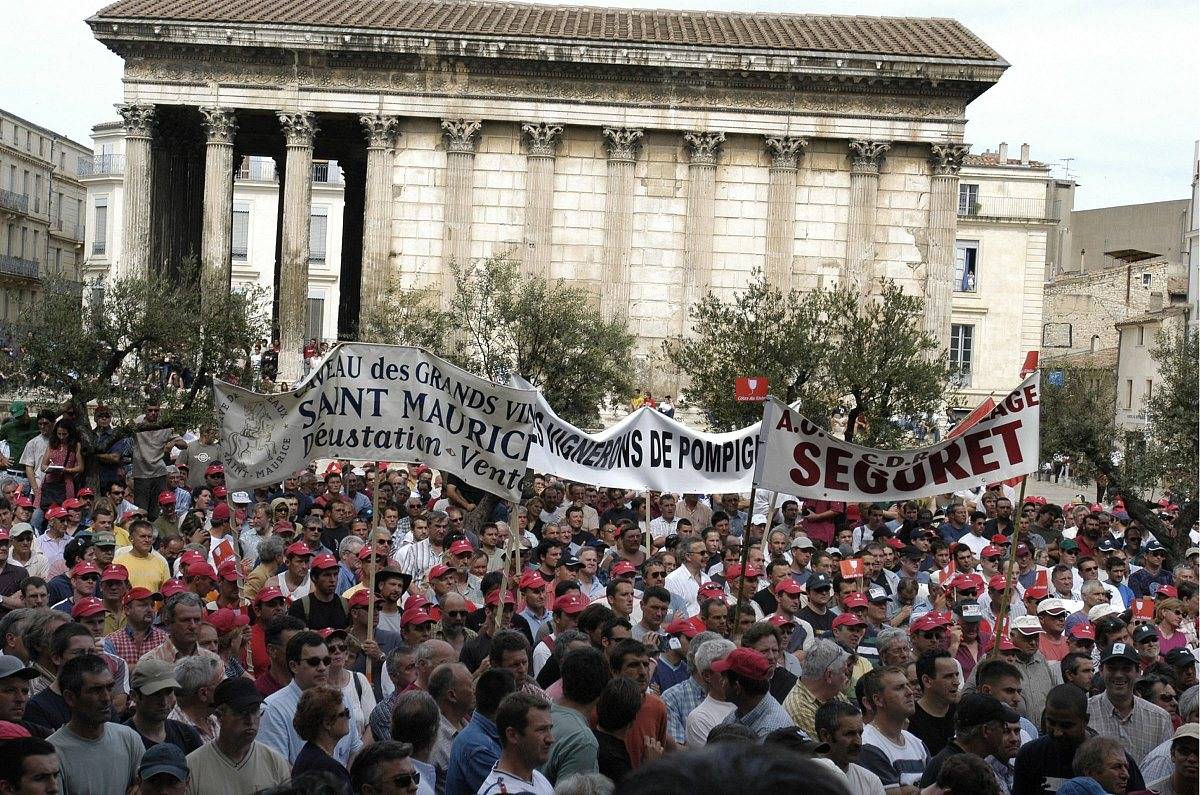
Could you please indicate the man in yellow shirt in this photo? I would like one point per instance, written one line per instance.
(147, 569)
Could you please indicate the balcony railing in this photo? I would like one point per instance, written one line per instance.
(256, 170)
(101, 165)
(327, 173)
(18, 266)
(14, 201)
(1004, 208)
(99, 246)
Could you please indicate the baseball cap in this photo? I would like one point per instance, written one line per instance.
(72, 504)
(88, 606)
(530, 579)
(1027, 625)
(1108, 544)
(441, 570)
(114, 572)
(745, 662)
(622, 568)
(21, 528)
(997, 582)
(1006, 643)
(1023, 549)
(570, 561)
(1145, 633)
(220, 512)
(848, 619)
(1100, 611)
(682, 627)
(321, 562)
(493, 598)
(166, 498)
(229, 571)
(778, 620)
(1084, 631)
(164, 758)
(969, 611)
(268, 594)
(214, 469)
(130, 515)
(56, 512)
(460, 546)
(758, 518)
(570, 603)
(105, 538)
(360, 598)
(1188, 731)
(237, 692)
(240, 498)
(188, 557)
(23, 502)
(298, 549)
(1167, 592)
(201, 570)
(11, 665)
(1155, 546)
(1067, 545)
(1001, 540)
(710, 590)
(1120, 651)
(134, 594)
(894, 543)
(911, 552)
(415, 615)
(991, 551)
(171, 587)
(788, 585)
(83, 567)
(818, 582)
(1052, 607)
(854, 600)
(802, 542)
(1180, 657)
(153, 675)
(976, 709)
(1036, 592)
(875, 594)
(226, 620)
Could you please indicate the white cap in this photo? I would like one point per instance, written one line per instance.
(1192, 551)
(358, 471)
(1051, 606)
(758, 518)
(1100, 611)
(1027, 625)
(240, 497)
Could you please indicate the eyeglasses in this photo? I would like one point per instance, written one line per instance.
(931, 635)
(1168, 697)
(338, 649)
(406, 780)
(317, 662)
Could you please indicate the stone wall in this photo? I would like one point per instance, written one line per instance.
(1094, 301)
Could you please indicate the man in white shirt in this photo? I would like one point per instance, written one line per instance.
(667, 522)
(522, 751)
(686, 580)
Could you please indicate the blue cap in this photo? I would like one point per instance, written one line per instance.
(164, 758)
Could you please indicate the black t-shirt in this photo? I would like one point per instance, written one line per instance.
(618, 514)
(612, 758)
(1043, 765)
(767, 601)
(782, 683)
(475, 651)
(934, 732)
(468, 492)
(179, 734)
(320, 615)
(49, 709)
(821, 624)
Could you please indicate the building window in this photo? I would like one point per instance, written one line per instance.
(1128, 393)
(962, 344)
(318, 230)
(241, 231)
(1147, 280)
(966, 263)
(1149, 389)
(100, 224)
(1095, 343)
(968, 199)
(316, 314)
(1141, 336)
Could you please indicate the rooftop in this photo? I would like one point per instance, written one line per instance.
(931, 38)
(1151, 317)
(43, 130)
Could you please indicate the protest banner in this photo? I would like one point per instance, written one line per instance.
(797, 457)
(645, 451)
(379, 403)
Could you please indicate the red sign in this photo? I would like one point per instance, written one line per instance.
(1031, 364)
(1143, 608)
(750, 389)
(852, 568)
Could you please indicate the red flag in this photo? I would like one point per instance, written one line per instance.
(1041, 579)
(223, 552)
(852, 568)
(1031, 364)
(978, 415)
(749, 388)
(1143, 608)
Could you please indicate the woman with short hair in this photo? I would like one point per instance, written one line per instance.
(321, 720)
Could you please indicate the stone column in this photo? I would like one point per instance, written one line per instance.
(461, 138)
(947, 159)
(377, 210)
(865, 156)
(216, 237)
(138, 121)
(781, 207)
(299, 128)
(542, 139)
(698, 226)
(622, 144)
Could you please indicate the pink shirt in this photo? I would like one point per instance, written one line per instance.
(1166, 645)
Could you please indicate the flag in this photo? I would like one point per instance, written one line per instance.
(852, 568)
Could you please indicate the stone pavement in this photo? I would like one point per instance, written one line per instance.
(1062, 492)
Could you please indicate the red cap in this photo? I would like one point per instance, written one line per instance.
(228, 571)
(220, 492)
(321, 562)
(12, 731)
(214, 469)
(1084, 631)
(997, 582)
(86, 491)
(710, 590)
(366, 552)
(226, 620)
(83, 567)
(268, 594)
(460, 546)
(3, 534)
(991, 551)
(24, 502)
(72, 504)
(201, 570)
(333, 468)
(531, 579)
(88, 606)
(752, 572)
(284, 526)
(733, 571)
(1000, 539)
(129, 516)
(1006, 644)
(298, 549)
(56, 512)
(894, 543)
(493, 598)
(416, 615)
(134, 594)
(328, 632)
(360, 598)
(788, 585)
(115, 573)
(190, 556)
(854, 600)
(682, 627)
(414, 601)
(570, 603)
(1167, 592)
(622, 568)
(781, 621)
(171, 587)
(166, 498)
(220, 511)
(745, 662)
(441, 570)
(1036, 592)
(931, 620)
(963, 582)
(848, 619)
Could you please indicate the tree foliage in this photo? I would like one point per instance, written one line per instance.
(825, 348)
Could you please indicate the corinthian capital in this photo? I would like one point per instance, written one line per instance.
(866, 155)
(947, 159)
(461, 134)
(622, 142)
(703, 146)
(785, 150)
(298, 127)
(138, 120)
(381, 130)
(542, 137)
(220, 125)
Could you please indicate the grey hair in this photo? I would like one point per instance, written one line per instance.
(694, 646)
(270, 548)
(441, 680)
(563, 640)
(1092, 586)
(186, 599)
(889, 635)
(712, 651)
(436, 516)
(39, 626)
(427, 650)
(1182, 568)
(350, 545)
(393, 660)
(821, 656)
(1091, 755)
(1189, 701)
(14, 622)
(195, 672)
(584, 784)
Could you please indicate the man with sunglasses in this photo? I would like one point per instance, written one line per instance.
(236, 761)
(1154, 573)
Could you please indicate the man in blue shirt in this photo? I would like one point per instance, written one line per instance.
(957, 524)
(477, 747)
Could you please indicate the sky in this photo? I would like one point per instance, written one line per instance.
(1106, 88)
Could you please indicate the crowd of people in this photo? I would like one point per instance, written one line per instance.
(363, 627)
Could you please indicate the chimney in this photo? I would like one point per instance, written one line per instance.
(1024, 154)
(1002, 154)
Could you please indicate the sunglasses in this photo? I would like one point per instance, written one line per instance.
(456, 613)
(932, 635)
(338, 649)
(406, 780)
(317, 662)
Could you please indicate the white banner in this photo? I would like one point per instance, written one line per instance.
(379, 403)
(797, 457)
(645, 451)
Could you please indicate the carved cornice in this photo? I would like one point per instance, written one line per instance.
(623, 142)
(220, 125)
(138, 120)
(461, 135)
(867, 155)
(703, 147)
(948, 158)
(298, 127)
(785, 150)
(381, 130)
(542, 137)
